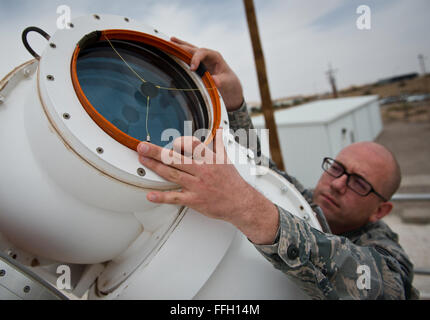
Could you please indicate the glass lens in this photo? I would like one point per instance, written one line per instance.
(116, 90)
(359, 185)
(333, 168)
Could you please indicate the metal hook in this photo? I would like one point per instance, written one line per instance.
(25, 42)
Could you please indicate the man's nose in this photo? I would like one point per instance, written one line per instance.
(339, 184)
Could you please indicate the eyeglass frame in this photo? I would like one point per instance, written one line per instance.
(348, 177)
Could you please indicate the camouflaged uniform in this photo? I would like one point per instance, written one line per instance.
(328, 266)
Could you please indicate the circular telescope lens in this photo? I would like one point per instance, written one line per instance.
(140, 90)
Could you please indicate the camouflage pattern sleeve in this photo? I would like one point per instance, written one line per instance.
(240, 119)
(327, 266)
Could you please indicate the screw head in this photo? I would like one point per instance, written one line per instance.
(52, 45)
(141, 172)
(50, 77)
(100, 150)
(27, 72)
(2, 273)
(66, 116)
(26, 289)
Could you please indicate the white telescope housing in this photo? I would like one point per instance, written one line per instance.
(74, 193)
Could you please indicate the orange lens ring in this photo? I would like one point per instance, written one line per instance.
(158, 43)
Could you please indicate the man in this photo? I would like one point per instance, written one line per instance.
(353, 193)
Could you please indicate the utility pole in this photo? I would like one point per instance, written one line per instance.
(330, 73)
(422, 59)
(426, 80)
(266, 100)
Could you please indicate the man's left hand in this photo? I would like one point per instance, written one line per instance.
(211, 185)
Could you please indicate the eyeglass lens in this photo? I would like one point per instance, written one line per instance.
(355, 182)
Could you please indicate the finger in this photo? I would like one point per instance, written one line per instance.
(171, 174)
(219, 147)
(182, 42)
(165, 156)
(184, 45)
(218, 140)
(203, 55)
(185, 145)
(217, 81)
(194, 148)
(169, 197)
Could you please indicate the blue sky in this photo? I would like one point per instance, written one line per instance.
(299, 37)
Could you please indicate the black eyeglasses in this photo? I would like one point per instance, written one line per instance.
(355, 182)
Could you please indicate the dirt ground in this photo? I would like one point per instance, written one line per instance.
(408, 137)
(417, 85)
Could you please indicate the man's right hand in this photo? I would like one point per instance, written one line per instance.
(225, 79)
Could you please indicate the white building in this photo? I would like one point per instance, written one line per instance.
(319, 129)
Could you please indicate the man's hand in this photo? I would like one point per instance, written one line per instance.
(225, 79)
(211, 186)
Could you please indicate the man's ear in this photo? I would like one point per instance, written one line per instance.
(383, 209)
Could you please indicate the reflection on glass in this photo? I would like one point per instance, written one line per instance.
(121, 97)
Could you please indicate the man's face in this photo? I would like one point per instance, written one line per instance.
(343, 208)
